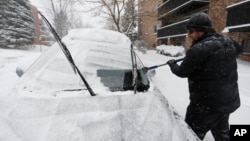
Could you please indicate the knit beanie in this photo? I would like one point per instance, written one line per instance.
(199, 22)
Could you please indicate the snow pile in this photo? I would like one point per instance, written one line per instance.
(91, 49)
(98, 35)
(129, 117)
(171, 50)
(50, 103)
(9, 60)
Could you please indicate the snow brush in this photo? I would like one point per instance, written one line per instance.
(156, 66)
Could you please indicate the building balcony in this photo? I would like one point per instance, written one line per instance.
(172, 30)
(176, 7)
(238, 17)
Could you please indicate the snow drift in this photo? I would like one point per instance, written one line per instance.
(50, 103)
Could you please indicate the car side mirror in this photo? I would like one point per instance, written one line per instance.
(19, 72)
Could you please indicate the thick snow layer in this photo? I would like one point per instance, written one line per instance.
(91, 49)
(131, 117)
(39, 109)
(71, 116)
(100, 35)
(171, 50)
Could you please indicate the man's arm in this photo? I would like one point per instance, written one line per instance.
(238, 48)
(175, 68)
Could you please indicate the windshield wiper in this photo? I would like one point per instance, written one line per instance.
(134, 68)
(67, 54)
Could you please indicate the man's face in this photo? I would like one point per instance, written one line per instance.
(195, 35)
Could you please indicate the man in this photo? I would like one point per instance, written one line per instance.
(211, 68)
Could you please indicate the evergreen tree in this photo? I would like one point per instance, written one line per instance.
(61, 23)
(16, 25)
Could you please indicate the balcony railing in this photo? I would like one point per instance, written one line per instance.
(238, 17)
(180, 6)
(176, 29)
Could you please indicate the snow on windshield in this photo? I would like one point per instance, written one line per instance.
(91, 49)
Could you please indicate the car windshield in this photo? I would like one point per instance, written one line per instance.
(104, 65)
(120, 79)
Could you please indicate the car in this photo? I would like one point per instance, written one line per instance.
(100, 91)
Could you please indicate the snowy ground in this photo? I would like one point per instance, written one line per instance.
(175, 89)
(9, 60)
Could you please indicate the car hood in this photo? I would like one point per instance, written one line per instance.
(144, 116)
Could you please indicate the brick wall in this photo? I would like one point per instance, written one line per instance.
(217, 10)
(37, 25)
(147, 21)
(218, 13)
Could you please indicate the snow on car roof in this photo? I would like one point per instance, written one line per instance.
(98, 35)
(91, 49)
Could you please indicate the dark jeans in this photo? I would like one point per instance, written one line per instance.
(202, 119)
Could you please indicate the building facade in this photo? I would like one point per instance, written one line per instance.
(174, 15)
(148, 22)
(238, 25)
(229, 17)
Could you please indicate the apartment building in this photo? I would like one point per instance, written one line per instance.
(229, 17)
(174, 15)
(148, 22)
(238, 25)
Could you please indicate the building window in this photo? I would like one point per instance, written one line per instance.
(246, 45)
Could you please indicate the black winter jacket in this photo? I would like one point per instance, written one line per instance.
(211, 67)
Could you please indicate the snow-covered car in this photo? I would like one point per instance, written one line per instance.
(52, 103)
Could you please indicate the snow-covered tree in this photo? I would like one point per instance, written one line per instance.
(122, 13)
(129, 16)
(46, 35)
(16, 24)
(64, 15)
(109, 9)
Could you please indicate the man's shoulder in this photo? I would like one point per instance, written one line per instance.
(213, 37)
(216, 40)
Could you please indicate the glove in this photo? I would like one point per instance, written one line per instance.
(145, 70)
(171, 62)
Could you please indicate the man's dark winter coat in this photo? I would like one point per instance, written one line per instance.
(211, 67)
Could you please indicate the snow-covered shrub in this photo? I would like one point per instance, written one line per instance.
(170, 50)
(141, 45)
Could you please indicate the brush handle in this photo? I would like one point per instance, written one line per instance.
(156, 66)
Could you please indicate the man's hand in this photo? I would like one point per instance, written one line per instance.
(171, 62)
